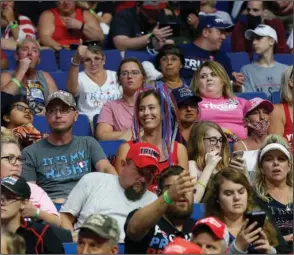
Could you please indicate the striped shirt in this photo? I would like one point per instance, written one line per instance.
(26, 29)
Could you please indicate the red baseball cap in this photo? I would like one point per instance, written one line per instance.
(144, 154)
(258, 102)
(219, 228)
(181, 246)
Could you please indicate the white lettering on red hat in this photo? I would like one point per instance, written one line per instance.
(146, 151)
(212, 221)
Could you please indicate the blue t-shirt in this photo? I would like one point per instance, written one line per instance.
(195, 56)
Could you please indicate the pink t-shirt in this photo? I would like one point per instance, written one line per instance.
(40, 199)
(228, 113)
(117, 114)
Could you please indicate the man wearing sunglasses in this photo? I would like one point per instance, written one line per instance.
(111, 195)
(58, 162)
(39, 238)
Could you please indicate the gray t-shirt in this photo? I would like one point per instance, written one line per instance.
(263, 79)
(57, 169)
(102, 193)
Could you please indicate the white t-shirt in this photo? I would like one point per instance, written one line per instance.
(92, 97)
(102, 193)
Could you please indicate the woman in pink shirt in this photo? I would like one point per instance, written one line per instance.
(116, 117)
(218, 103)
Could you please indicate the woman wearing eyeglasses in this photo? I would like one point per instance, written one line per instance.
(94, 86)
(282, 116)
(208, 152)
(17, 116)
(219, 104)
(40, 206)
(116, 117)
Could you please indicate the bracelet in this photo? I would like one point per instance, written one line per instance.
(73, 63)
(149, 35)
(166, 198)
(19, 86)
(202, 184)
(92, 11)
(82, 27)
(37, 214)
(13, 26)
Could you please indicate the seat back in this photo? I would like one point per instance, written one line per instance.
(140, 55)
(238, 60)
(198, 211)
(70, 248)
(250, 95)
(286, 59)
(60, 79)
(121, 248)
(276, 98)
(47, 61)
(113, 59)
(110, 149)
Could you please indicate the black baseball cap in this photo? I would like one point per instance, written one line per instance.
(184, 95)
(17, 185)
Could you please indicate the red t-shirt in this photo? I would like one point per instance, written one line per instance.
(63, 35)
(288, 131)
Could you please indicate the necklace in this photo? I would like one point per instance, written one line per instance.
(288, 208)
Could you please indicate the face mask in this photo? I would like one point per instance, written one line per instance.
(253, 21)
(259, 127)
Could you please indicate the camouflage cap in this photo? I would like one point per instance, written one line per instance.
(103, 225)
(64, 96)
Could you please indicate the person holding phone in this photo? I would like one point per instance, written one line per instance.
(273, 183)
(229, 198)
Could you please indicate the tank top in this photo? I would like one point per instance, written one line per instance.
(63, 35)
(38, 91)
(163, 164)
(288, 132)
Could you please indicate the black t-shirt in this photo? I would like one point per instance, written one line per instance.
(105, 7)
(40, 238)
(158, 237)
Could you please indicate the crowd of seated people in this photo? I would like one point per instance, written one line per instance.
(185, 128)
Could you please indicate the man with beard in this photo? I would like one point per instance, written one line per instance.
(134, 28)
(115, 196)
(151, 228)
(257, 14)
(58, 162)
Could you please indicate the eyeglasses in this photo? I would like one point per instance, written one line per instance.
(12, 159)
(22, 108)
(213, 140)
(134, 73)
(94, 60)
(8, 199)
(62, 111)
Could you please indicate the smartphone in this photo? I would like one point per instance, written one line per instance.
(258, 216)
(174, 26)
(238, 154)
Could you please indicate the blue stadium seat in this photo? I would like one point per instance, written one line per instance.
(276, 98)
(250, 95)
(110, 149)
(65, 56)
(222, 6)
(10, 55)
(121, 248)
(286, 59)
(70, 248)
(113, 59)
(58, 206)
(48, 61)
(80, 128)
(95, 118)
(140, 55)
(60, 79)
(227, 45)
(238, 60)
(198, 211)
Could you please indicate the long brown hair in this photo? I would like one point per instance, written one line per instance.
(211, 198)
(196, 147)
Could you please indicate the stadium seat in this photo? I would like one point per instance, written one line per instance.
(113, 59)
(95, 118)
(48, 61)
(222, 6)
(65, 57)
(110, 149)
(140, 55)
(121, 248)
(58, 206)
(276, 98)
(286, 59)
(70, 248)
(80, 128)
(238, 60)
(60, 79)
(10, 55)
(198, 211)
(227, 45)
(250, 95)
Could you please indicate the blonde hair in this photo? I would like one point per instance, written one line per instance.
(286, 91)
(259, 179)
(213, 207)
(196, 148)
(219, 71)
(8, 137)
(22, 42)
(15, 243)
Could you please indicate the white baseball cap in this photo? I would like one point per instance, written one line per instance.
(262, 30)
